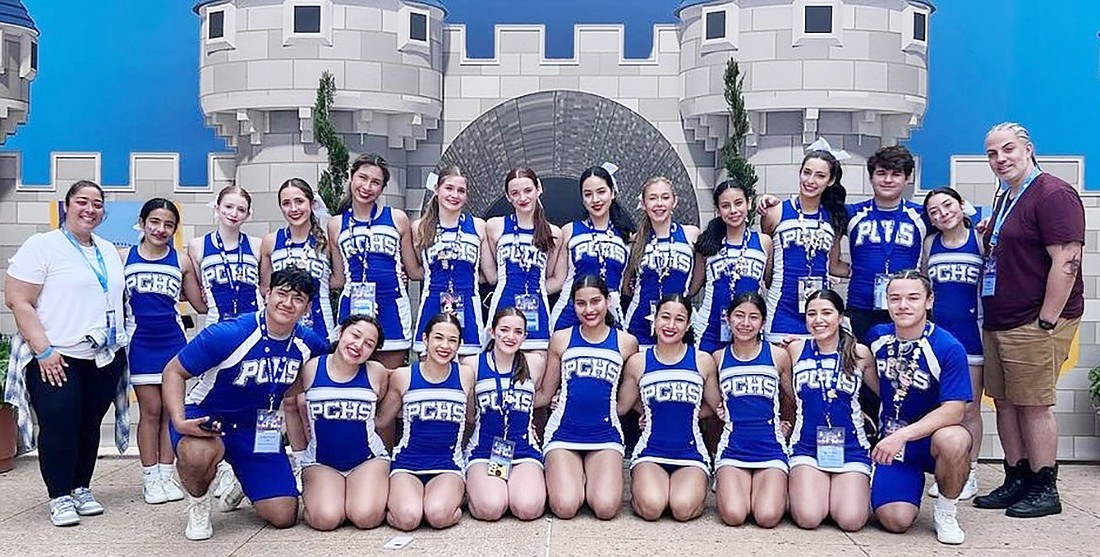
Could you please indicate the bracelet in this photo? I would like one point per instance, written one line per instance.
(45, 353)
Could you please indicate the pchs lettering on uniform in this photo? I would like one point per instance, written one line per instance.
(462, 251)
(867, 231)
(262, 371)
(219, 274)
(750, 267)
(523, 254)
(817, 379)
(790, 236)
(751, 385)
(965, 273)
(518, 400)
(349, 410)
(921, 379)
(437, 410)
(655, 259)
(316, 267)
(153, 283)
(371, 243)
(673, 391)
(596, 368)
(609, 250)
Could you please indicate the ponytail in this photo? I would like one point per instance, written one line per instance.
(621, 220)
(544, 235)
(834, 196)
(428, 225)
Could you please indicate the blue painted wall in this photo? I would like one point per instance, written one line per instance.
(133, 86)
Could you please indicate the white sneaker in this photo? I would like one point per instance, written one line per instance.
(86, 504)
(948, 530)
(153, 490)
(198, 519)
(223, 480)
(172, 489)
(970, 488)
(63, 511)
(232, 498)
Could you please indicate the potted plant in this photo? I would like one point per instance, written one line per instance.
(1094, 388)
(9, 430)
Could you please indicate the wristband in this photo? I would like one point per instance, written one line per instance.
(45, 353)
(1046, 325)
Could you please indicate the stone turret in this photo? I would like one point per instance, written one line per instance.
(853, 71)
(18, 64)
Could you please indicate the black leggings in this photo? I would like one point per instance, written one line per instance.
(69, 418)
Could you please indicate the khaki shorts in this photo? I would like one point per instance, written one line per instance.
(1022, 364)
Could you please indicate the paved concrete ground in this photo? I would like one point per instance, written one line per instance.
(130, 527)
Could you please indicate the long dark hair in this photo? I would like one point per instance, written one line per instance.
(544, 235)
(357, 318)
(619, 218)
(366, 159)
(637, 248)
(594, 281)
(152, 205)
(521, 371)
(320, 239)
(676, 297)
(949, 192)
(846, 347)
(834, 196)
(430, 221)
(714, 235)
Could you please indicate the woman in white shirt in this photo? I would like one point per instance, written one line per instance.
(64, 288)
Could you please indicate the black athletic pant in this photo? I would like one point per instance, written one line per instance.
(69, 418)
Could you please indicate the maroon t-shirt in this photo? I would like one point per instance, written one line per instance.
(1048, 213)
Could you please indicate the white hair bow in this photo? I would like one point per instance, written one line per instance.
(320, 210)
(431, 182)
(822, 145)
(969, 209)
(611, 169)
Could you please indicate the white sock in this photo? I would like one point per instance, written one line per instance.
(946, 505)
(150, 472)
(299, 456)
(973, 466)
(166, 470)
(224, 466)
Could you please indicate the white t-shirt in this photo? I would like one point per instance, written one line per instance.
(72, 301)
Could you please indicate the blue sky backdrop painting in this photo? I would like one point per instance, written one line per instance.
(116, 78)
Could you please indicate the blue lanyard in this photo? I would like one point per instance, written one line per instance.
(365, 255)
(501, 400)
(829, 385)
(265, 338)
(887, 245)
(219, 243)
(101, 271)
(1002, 216)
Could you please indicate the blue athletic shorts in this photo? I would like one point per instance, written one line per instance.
(262, 475)
(903, 482)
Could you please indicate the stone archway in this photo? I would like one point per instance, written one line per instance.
(558, 134)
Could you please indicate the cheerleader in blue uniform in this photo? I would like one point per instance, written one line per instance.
(427, 472)
(373, 257)
(345, 466)
(803, 230)
(448, 242)
(730, 259)
(302, 243)
(156, 276)
(504, 462)
(521, 248)
(953, 258)
(830, 455)
(583, 443)
(751, 460)
(671, 380)
(593, 246)
(228, 259)
(661, 259)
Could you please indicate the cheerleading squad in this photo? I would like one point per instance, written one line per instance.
(764, 364)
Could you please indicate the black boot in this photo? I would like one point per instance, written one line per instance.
(1017, 479)
(1041, 498)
